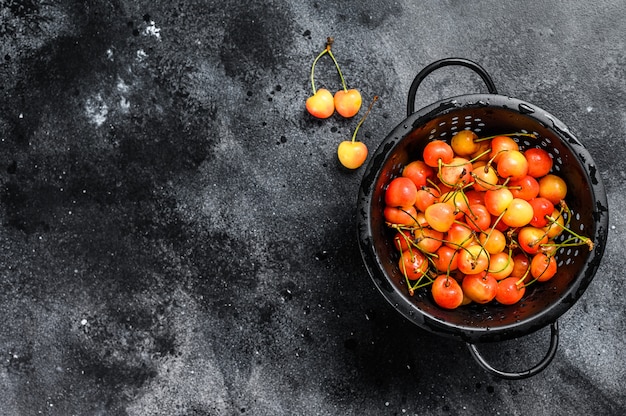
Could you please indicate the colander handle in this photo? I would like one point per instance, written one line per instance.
(410, 109)
(554, 343)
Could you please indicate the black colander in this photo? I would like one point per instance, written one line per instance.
(487, 115)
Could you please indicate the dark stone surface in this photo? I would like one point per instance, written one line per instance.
(178, 238)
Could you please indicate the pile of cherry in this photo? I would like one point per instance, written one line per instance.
(479, 219)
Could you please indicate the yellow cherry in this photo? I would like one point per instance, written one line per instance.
(352, 154)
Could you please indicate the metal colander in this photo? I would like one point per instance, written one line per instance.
(487, 115)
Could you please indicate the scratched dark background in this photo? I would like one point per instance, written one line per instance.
(177, 237)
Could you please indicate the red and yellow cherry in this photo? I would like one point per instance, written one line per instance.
(521, 266)
(530, 239)
(321, 104)
(401, 215)
(440, 216)
(500, 265)
(419, 172)
(472, 259)
(413, 264)
(526, 188)
(480, 287)
(510, 291)
(447, 292)
(543, 267)
(485, 177)
(555, 224)
(426, 196)
(518, 214)
(457, 200)
(427, 239)
(459, 235)
(478, 217)
(539, 162)
(456, 173)
(445, 259)
(541, 209)
(352, 154)
(512, 164)
(403, 239)
(401, 192)
(436, 152)
(498, 200)
(475, 197)
(464, 143)
(553, 188)
(493, 240)
(501, 145)
(348, 102)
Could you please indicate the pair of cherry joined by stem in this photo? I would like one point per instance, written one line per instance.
(322, 104)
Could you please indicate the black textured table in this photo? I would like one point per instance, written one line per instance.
(178, 237)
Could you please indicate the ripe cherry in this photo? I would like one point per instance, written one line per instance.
(413, 264)
(401, 192)
(485, 177)
(493, 240)
(521, 266)
(445, 259)
(456, 173)
(555, 224)
(447, 292)
(480, 287)
(512, 164)
(526, 188)
(498, 200)
(426, 196)
(553, 188)
(457, 200)
(541, 208)
(473, 259)
(459, 235)
(348, 102)
(464, 143)
(352, 153)
(321, 104)
(440, 216)
(401, 215)
(419, 172)
(510, 291)
(427, 239)
(539, 162)
(518, 214)
(500, 265)
(543, 267)
(500, 145)
(403, 239)
(530, 239)
(436, 152)
(475, 197)
(478, 217)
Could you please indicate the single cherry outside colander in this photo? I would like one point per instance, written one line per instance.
(487, 115)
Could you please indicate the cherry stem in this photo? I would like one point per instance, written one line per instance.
(363, 119)
(329, 42)
(327, 50)
(313, 67)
